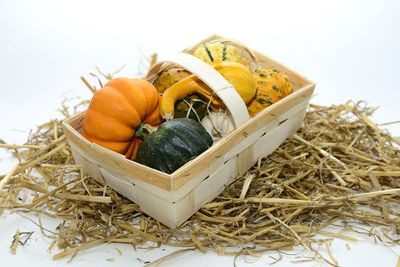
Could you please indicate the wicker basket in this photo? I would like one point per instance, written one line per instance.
(173, 198)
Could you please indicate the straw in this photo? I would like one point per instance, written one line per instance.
(340, 169)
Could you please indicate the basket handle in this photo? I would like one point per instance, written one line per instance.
(222, 88)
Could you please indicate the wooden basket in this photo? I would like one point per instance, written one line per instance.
(173, 198)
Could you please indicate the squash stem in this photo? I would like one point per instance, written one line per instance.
(145, 130)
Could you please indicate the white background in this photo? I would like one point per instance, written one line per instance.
(351, 49)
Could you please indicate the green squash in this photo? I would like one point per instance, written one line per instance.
(197, 112)
(173, 144)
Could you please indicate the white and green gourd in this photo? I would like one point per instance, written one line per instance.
(218, 124)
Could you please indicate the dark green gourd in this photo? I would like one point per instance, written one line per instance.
(173, 144)
(192, 104)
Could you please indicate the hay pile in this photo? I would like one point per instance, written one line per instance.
(338, 169)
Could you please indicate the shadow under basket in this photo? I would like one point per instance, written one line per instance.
(173, 198)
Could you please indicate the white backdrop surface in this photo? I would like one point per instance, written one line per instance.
(349, 48)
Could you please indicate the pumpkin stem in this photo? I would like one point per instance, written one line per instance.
(145, 130)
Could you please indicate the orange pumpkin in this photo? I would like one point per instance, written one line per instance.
(117, 110)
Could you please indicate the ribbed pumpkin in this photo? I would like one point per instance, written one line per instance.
(271, 87)
(170, 76)
(117, 110)
(217, 52)
(236, 74)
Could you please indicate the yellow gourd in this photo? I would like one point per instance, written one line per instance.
(271, 87)
(169, 77)
(217, 52)
(236, 74)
